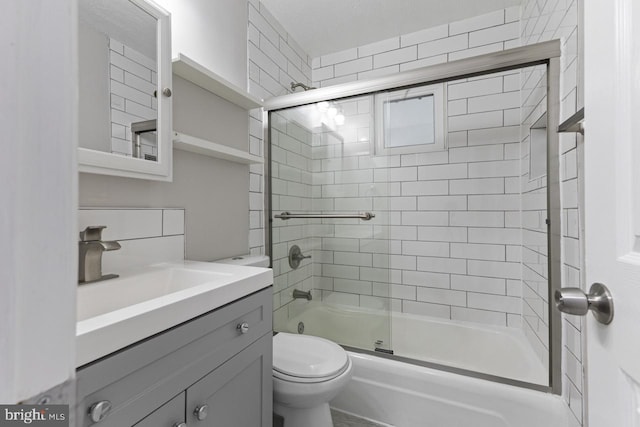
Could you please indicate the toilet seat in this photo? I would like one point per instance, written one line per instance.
(307, 359)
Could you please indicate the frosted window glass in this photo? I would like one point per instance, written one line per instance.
(409, 122)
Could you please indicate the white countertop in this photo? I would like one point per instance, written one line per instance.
(115, 313)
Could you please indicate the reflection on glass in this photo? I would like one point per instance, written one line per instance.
(118, 77)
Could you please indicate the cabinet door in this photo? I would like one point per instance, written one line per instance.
(238, 393)
(171, 414)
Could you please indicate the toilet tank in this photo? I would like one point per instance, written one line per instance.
(250, 260)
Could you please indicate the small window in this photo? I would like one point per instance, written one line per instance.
(410, 120)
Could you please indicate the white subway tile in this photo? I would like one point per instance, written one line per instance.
(476, 219)
(477, 22)
(424, 62)
(512, 13)
(129, 65)
(442, 234)
(478, 251)
(352, 286)
(484, 120)
(499, 101)
(502, 168)
(439, 172)
(499, 135)
(123, 224)
(140, 58)
(478, 316)
(425, 188)
(442, 296)
(352, 67)
(506, 270)
(323, 73)
(426, 35)
(340, 298)
(494, 34)
(445, 45)
(172, 222)
(379, 47)
(395, 203)
(504, 304)
(442, 203)
(501, 236)
(436, 249)
(340, 271)
(115, 45)
(442, 265)
(375, 274)
(506, 202)
(477, 186)
(457, 107)
(426, 309)
(353, 258)
(397, 56)
(421, 278)
(353, 176)
(476, 154)
(487, 86)
(475, 51)
(488, 285)
(425, 218)
(379, 72)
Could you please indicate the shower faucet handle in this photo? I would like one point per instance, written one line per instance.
(296, 256)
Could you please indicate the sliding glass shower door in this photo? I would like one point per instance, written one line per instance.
(330, 225)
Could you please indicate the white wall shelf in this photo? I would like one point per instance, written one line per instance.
(190, 70)
(213, 149)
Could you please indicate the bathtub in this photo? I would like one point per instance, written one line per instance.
(492, 350)
(405, 395)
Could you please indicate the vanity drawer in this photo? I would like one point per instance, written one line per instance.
(140, 378)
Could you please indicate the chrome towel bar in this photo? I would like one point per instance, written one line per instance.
(366, 216)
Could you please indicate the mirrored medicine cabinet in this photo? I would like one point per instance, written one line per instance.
(125, 105)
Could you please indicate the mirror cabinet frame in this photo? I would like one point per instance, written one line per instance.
(98, 162)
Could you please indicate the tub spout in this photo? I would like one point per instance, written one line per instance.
(302, 294)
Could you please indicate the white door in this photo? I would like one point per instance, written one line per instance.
(612, 214)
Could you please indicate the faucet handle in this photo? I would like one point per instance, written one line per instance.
(92, 233)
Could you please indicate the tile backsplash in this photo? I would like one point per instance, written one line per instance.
(147, 236)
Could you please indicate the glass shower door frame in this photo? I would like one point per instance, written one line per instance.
(548, 54)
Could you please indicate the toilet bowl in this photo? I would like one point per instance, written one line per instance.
(308, 372)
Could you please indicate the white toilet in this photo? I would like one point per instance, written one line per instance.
(308, 371)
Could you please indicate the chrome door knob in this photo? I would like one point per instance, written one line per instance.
(201, 412)
(180, 425)
(574, 301)
(166, 92)
(243, 327)
(98, 411)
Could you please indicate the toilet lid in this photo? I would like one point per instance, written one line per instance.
(306, 356)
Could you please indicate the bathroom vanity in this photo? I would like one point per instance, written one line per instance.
(213, 369)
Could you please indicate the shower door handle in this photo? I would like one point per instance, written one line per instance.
(574, 301)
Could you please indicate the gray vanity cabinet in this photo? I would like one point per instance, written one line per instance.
(171, 414)
(221, 359)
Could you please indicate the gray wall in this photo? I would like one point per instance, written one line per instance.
(213, 192)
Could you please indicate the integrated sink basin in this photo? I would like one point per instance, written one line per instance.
(115, 313)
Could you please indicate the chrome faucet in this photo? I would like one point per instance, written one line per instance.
(91, 248)
(302, 294)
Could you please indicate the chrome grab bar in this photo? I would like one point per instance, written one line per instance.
(366, 216)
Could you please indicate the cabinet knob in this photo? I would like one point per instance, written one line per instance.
(180, 425)
(201, 412)
(243, 327)
(166, 92)
(98, 411)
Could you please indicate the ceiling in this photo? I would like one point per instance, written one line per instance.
(326, 26)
